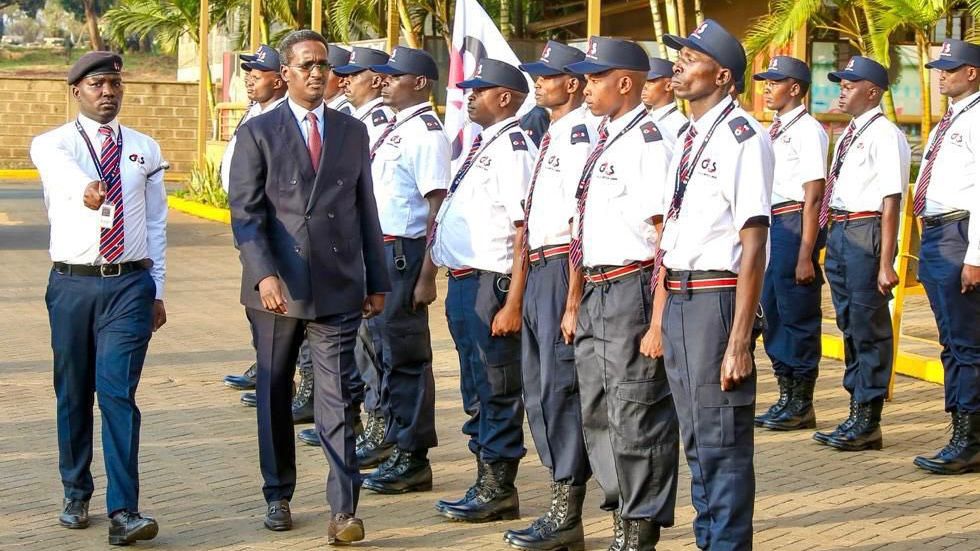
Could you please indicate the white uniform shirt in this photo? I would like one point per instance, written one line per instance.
(477, 221)
(876, 165)
(801, 155)
(554, 202)
(669, 119)
(341, 103)
(252, 112)
(375, 115)
(412, 162)
(66, 167)
(955, 182)
(731, 183)
(626, 192)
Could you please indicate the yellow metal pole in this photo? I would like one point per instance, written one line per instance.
(316, 15)
(593, 17)
(203, 116)
(394, 25)
(671, 12)
(904, 254)
(255, 17)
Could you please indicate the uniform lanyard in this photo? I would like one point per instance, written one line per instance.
(463, 171)
(425, 109)
(669, 112)
(787, 125)
(681, 180)
(91, 150)
(839, 164)
(587, 170)
(932, 147)
(370, 111)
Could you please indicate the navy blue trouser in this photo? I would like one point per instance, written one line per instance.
(851, 264)
(554, 411)
(490, 368)
(408, 389)
(331, 339)
(716, 426)
(957, 315)
(364, 381)
(627, 412)
(793, 315)
(100, 330)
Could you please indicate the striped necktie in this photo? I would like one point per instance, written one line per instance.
(774, 129)
(576, 255)
(675, 203)
(919, 201)
(828, 192)
(112, 239)
(545, 142)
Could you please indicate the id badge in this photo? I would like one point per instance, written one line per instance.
(107, 214)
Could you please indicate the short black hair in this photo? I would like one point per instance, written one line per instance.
(804, 86)
(294, 38)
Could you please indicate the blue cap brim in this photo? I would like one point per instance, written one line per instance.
(770, 75)
(944, 64)
(349, 69)
(387, 70)
(251, 65)
(539, 69)
(653, 75)
(838, 76)
(588, 68)
(477, 83)
(246, 57)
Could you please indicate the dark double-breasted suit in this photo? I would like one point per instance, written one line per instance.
(318, 232)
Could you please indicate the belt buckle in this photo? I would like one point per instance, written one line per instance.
(110, 270)
(503, 283)
(401, 263)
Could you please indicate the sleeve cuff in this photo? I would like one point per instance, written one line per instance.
(972, 257)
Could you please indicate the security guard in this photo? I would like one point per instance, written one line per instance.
(658, 97)
(410, 168)
(791, 292)
(362, 88)
(333, 91)
(104, 193)
(947, 198)
(714, 260)
(475, 236)
(868, 176)
(554, 411)
(627, 411)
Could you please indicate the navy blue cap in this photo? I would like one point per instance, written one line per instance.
(491, 73)
(862, 68)
(740, 85)
(660, 68)
(955, 54)
(712, 39)
(361, 59)
(94, 63)
(337, 56)
(782, 67)
(554, 58)
(604, 54)
(409, 61)
(266, 58)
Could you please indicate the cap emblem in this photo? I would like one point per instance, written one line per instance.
(479, 71)
(593, 48)
(773, 64)
(698, 31)
(947, 50)
(546, 53)
(850, 64)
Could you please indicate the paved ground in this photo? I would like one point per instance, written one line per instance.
(199, 456)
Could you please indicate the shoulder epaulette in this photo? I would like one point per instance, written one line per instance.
(741, 129)
(431, 122)
(379, 118)
(517, 141)
(580, 134)
(650, 132)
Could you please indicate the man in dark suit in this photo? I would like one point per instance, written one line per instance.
(305, 219)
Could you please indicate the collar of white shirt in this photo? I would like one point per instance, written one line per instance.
(401, 115)
(338, 101)
(300, 113)
(566, 120)
(958, 106)
(491, 131)
(863, 119)
(615, 126)
(791, 115)
(362, 111)
(662, 111)
(271, 106)
(92, 127)
(704, 124)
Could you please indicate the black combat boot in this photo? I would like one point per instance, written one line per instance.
(372, 449)
(401, 473)
(962, 454)
(245, 381)
(495, 499)
(865, 433)
(798, 413)
(537, 523)
(481, 472)
(823, 437)
(620, 534)
(785, 386)
(303, 398)
(641, 535)
(560, 529)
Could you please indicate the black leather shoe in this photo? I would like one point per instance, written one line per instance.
(402, 473)
(74, 513)
(245, 381)
(562, 527)
(126, 527)
(785, 387)
(962, 454)
(495, 499)
(303, 400)
(309, 437)
(344, 529)
(798, 413)
(481, 471)
(824, 437)
(865, 433)
(372, 450)
(248, 399)
(277, 516)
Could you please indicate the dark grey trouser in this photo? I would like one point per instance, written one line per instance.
(716, 426)
(365, 381)
(627, 411)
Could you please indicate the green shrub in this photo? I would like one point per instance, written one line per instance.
(204, 186)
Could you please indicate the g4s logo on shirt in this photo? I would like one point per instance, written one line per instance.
(484, 162)
(136, 158)
(553, 161)
(709, 166)
(607, 169)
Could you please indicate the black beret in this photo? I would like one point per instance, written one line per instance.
(94, 63)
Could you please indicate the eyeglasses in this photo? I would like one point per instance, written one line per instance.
(310, 65)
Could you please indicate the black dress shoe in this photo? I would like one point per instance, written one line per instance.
(74, 513)
(309, 437)
(344, 529)
(126, 527)
(401, 473)
(245, 381)
(277, 516)
(248, 399)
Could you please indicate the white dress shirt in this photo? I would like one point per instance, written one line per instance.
(66, 167)
(801, 155)
(340, 103)
(375, 115)
(554, 202)
(955, 181)
(477, 221)
(300, 112)
(626, 192)
(669, 119)
(731, 183)
(876, 165)
(255, 110)
(412, 162)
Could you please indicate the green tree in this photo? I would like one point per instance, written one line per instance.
(89, 11)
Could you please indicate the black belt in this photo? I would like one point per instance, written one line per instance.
(699, 281)
(940, 219)
(101, 270)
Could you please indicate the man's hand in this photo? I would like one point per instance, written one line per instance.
(652, 343)
(424, 293)
(159, 315)
(506, 322)
(970, 278)
(736, 366)
(94, 195)
(804, 271)
(373, 305)
(569, 321)
(887, 279)
(270, 291)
